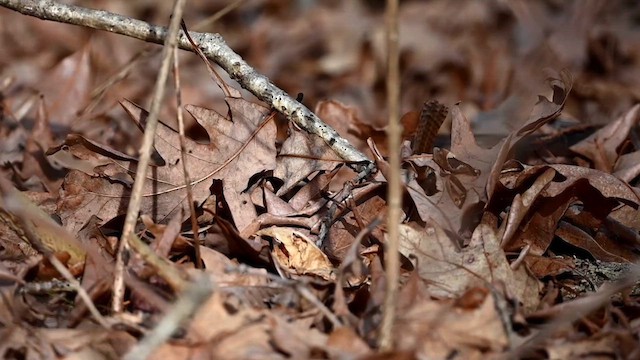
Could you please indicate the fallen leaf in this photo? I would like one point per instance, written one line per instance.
(67, 89)
(436, 328)
(301, 155)
(234, 155)
(449, 271)
(296, 254)
(603, 145)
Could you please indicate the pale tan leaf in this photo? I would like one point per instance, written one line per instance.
(297, 254)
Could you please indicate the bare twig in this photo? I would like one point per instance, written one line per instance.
(394, 197)
(98, 93)
(187, 179)
(145, 154)
(215, 49)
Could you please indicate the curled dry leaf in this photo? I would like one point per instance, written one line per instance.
(301, 155)
(602, 146)
(597, 192)
(296, 254)
(628, 166)
(521, 205)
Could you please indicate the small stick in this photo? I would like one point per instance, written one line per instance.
(187, 179)
(145, 154)
(394, 195)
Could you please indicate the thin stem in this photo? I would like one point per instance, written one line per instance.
(183, 159)
(145, 154)
(394, 195)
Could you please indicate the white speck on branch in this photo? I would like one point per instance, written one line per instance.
(214, 47)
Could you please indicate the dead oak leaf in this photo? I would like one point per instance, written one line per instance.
(434, 329)
(449, 271)
(240, 148)
(67, 88)
(301, 155)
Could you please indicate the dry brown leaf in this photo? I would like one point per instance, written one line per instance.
(343, 233)
(598, 193)
(628, 166)
(35, 167)
(521, 205)
(602, 147)
(435, 329)
(462, 194)
(276, 205)
(88, 342)
(216, 331)
(344, 342)
(67, 89)
(214, 320)
(234, 155)
(542, 266)
(604, 345)
(449, 271)
(343, 119)
(311, 195)
(296, 339)
(599, 248)
(301, 155)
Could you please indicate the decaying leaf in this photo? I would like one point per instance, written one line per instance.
(480, 235)
(67, 89)
(556, 188)
(602, 146)
(301, 155)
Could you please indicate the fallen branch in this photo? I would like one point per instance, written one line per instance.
(214, 47)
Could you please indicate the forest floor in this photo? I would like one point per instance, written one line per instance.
(520, 227)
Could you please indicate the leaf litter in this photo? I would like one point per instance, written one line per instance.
(497, 217)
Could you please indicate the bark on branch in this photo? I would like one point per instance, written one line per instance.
(214, 48)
